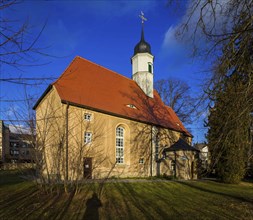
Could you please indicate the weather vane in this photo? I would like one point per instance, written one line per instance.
(142, 17)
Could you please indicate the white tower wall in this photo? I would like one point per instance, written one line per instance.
(142, 72)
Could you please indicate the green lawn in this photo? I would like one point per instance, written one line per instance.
(20, 199)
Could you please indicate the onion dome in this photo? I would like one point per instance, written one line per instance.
(142, 46)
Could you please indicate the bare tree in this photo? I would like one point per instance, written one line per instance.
(19, 44)
(225, 30)
(19, 48)
(177, 94)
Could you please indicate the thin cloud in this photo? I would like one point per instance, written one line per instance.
(170, 37)
(173, 49)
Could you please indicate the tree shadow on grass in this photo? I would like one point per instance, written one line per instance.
(40, 206)
(141, 201)
(16, 202)
(240, 198)
(127, 202)
(71, 205)
(8, 178)
(66, 205)
(63, 205)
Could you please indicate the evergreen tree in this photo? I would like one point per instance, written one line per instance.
(221, 32)
(232, 95)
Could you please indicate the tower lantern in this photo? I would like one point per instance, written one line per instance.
(142, 63)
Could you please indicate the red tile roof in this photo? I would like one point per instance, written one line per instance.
(89, 85)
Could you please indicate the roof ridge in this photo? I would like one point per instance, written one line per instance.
(118, 74)
(79, 57)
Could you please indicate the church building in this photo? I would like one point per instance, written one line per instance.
(95, 123)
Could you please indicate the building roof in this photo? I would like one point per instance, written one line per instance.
(91, 86)
(180, 145)
(142, 46)
(200, 146)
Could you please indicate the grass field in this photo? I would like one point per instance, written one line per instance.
(21, 199)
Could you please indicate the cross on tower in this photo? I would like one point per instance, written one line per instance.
(142, 17)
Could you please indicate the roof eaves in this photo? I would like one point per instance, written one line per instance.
(118, 115)
(179, 123)
(180, 145)
(104, 112)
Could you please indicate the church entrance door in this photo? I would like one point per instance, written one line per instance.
(87, 168)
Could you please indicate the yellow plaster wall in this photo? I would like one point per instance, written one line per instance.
(186, 165)
(139, 142)
(102, 149)
(50, 134)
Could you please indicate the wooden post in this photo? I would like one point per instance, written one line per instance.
(175, 167)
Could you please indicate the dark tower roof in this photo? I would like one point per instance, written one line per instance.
(142, 46)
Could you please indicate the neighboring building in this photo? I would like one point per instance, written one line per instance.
(16, 147)
(204, 154)
(4, 140)
(21, 148)
(95, 123)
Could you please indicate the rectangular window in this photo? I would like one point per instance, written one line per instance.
(150, 67)
(87, 117)
(141, 161)
(14, 152)
(87, 137)
(14, 144)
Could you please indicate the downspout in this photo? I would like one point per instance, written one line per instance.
(67, 141)
(151, 156)
(157, 152)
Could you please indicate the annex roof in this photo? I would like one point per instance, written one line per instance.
(89, 85)
(180, 145)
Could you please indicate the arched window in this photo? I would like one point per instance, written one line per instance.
(120, 145)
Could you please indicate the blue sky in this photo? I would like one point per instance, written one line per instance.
(104, 32)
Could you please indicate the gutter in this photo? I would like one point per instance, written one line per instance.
(123, 116)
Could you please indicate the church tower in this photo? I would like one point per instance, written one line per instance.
(142, 64)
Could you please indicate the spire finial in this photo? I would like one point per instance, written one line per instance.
(142, 18)
(142, 22)
(142, 46)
